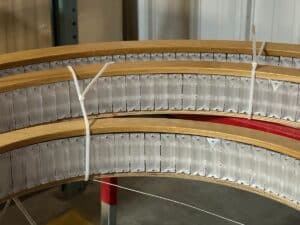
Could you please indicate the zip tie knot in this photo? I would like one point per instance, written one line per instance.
(254, 65)
(81, 98)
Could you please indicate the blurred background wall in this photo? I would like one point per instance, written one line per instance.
(99, 20)
(26, 24)
(276, 20)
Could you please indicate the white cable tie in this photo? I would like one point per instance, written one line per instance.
(7, 204)
(24, 211)
(171, 200)
(253, 43)
(262, 47)
(253, 70)
(86, 124)
(81, 98)
(252, 86)
(96, 77)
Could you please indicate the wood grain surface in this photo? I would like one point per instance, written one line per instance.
(71, 128)
(130, 68)
(125, 47)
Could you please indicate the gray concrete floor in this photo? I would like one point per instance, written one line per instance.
(135, 209)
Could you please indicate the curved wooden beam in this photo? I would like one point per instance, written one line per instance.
(11, 85)
(116, 48)
(277, 151)
(28, 136)
(172, 67)
(257, 150)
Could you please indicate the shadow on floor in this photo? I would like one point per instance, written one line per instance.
(135, 209)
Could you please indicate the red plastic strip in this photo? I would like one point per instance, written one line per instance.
(108, 192)
(268, 127)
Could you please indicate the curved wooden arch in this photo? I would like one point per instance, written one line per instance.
(258, 144)
(75, 127)
(271, 152)
(119, 69)
(11, 85)
(38, 56)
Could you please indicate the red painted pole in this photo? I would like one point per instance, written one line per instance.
(108, 199)
(108, 193)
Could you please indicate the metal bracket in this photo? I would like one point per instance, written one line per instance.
(64, 22)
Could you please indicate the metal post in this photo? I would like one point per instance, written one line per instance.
(64, 22)
(108, 199)
(130, 20)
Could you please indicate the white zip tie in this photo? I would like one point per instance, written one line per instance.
(96, 77)
(254, 66)
(171, 200)
(24, 211)
(81, 98)
(7, 204)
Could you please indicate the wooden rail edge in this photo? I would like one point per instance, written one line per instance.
(130, 47)
(135, 68)
(75, 127)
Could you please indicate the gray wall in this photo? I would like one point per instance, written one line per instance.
(276, 20)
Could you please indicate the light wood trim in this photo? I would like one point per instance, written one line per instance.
(88, 71)
(114, 48)
(195, 112)
(27, 136)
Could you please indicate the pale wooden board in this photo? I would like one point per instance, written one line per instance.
(75, 127)
(14, 82)
(209, 113)
(125, 47)
(129, 68)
